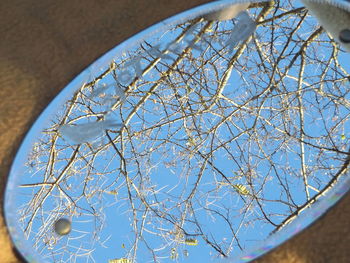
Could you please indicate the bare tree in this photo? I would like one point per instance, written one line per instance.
(196, 137)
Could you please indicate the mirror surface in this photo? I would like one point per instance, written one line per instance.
(190, 142)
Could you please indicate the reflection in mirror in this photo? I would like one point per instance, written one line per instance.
(191, 142)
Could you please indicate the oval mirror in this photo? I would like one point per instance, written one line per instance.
(214, 135)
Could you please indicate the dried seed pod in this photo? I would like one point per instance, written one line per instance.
(63, 226)
(120, 260)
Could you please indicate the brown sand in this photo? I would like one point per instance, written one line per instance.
(45, 43)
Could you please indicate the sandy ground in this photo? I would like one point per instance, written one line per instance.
(45, 43)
